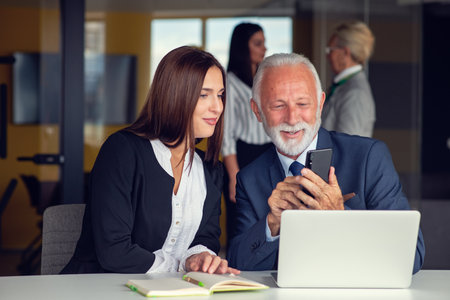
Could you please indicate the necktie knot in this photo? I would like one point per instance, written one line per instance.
(296, 168)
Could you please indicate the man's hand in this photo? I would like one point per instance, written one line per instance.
(325, 195)
(208, 263)
(283, 197)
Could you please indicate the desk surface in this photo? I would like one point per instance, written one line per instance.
(427, 285)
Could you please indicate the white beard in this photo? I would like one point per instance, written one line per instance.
(292, 147)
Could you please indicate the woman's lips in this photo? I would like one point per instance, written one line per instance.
(211, 121)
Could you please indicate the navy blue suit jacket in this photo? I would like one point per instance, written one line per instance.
(363, 166)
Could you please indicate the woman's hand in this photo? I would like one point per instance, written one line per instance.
(231, 164)
(208, 263)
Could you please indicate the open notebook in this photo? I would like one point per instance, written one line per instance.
(348, 249)
(193, 284)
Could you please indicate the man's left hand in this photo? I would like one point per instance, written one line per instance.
(326, 196)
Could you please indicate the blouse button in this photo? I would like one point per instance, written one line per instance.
(172, 240)
(177, 222)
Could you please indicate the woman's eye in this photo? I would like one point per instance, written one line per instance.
(221, 96)
(203, 96)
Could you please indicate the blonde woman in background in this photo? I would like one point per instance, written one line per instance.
(350, 107)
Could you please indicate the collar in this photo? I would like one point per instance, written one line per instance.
(347, 72)
(286, 161)
(163, 156)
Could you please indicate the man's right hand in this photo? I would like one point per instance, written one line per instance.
(283, 197)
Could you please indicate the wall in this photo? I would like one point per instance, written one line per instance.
(28, 30)
(36, 30)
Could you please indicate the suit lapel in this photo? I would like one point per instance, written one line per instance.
(276, 172)
(324, 141)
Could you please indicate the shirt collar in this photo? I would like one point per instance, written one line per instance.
(286, 161)
(163, 156)
(347, 72)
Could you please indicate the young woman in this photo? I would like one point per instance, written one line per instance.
(244, 137)
(154, 200)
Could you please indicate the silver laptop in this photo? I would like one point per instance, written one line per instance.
(347, 249)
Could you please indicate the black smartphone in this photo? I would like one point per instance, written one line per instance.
(319, 162)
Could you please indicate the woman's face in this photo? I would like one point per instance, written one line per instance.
(209, 106)
(257, 48)
(336, 56)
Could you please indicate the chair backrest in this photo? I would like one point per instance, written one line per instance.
(60, 233)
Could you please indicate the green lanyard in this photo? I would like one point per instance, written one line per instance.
(340, 82)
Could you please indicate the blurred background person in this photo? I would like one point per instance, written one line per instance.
(244, 137)
(350, 107)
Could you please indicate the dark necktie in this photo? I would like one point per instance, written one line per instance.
(331, 90)
(336, 84)
(296, 168)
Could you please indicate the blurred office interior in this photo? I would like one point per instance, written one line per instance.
(73, 72)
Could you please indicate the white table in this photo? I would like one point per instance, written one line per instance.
(426, 285)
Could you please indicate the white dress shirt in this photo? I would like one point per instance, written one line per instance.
(347, 72)
(187, 211)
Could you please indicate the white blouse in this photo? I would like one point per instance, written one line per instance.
(187, 212)
(240, 123)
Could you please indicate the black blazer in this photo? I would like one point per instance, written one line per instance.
(129, 211)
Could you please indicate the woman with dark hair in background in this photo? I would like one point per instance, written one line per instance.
(244, 137)
(154, 202)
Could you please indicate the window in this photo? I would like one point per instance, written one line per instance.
(168, 34)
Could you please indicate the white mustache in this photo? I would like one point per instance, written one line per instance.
(297, 127)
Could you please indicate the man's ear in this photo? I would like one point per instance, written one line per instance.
(322, 101)
(255, 109)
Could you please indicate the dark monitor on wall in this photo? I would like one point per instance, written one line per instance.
(36, 88)
(110, 88)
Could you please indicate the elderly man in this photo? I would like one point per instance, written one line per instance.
(288, 100)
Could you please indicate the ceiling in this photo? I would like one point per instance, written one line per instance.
(186, 8)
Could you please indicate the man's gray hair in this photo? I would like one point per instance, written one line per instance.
(278, 60)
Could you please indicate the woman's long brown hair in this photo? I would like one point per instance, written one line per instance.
(175, 90)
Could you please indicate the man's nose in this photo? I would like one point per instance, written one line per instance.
(292, 117)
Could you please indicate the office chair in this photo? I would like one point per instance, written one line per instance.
(60, 233)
